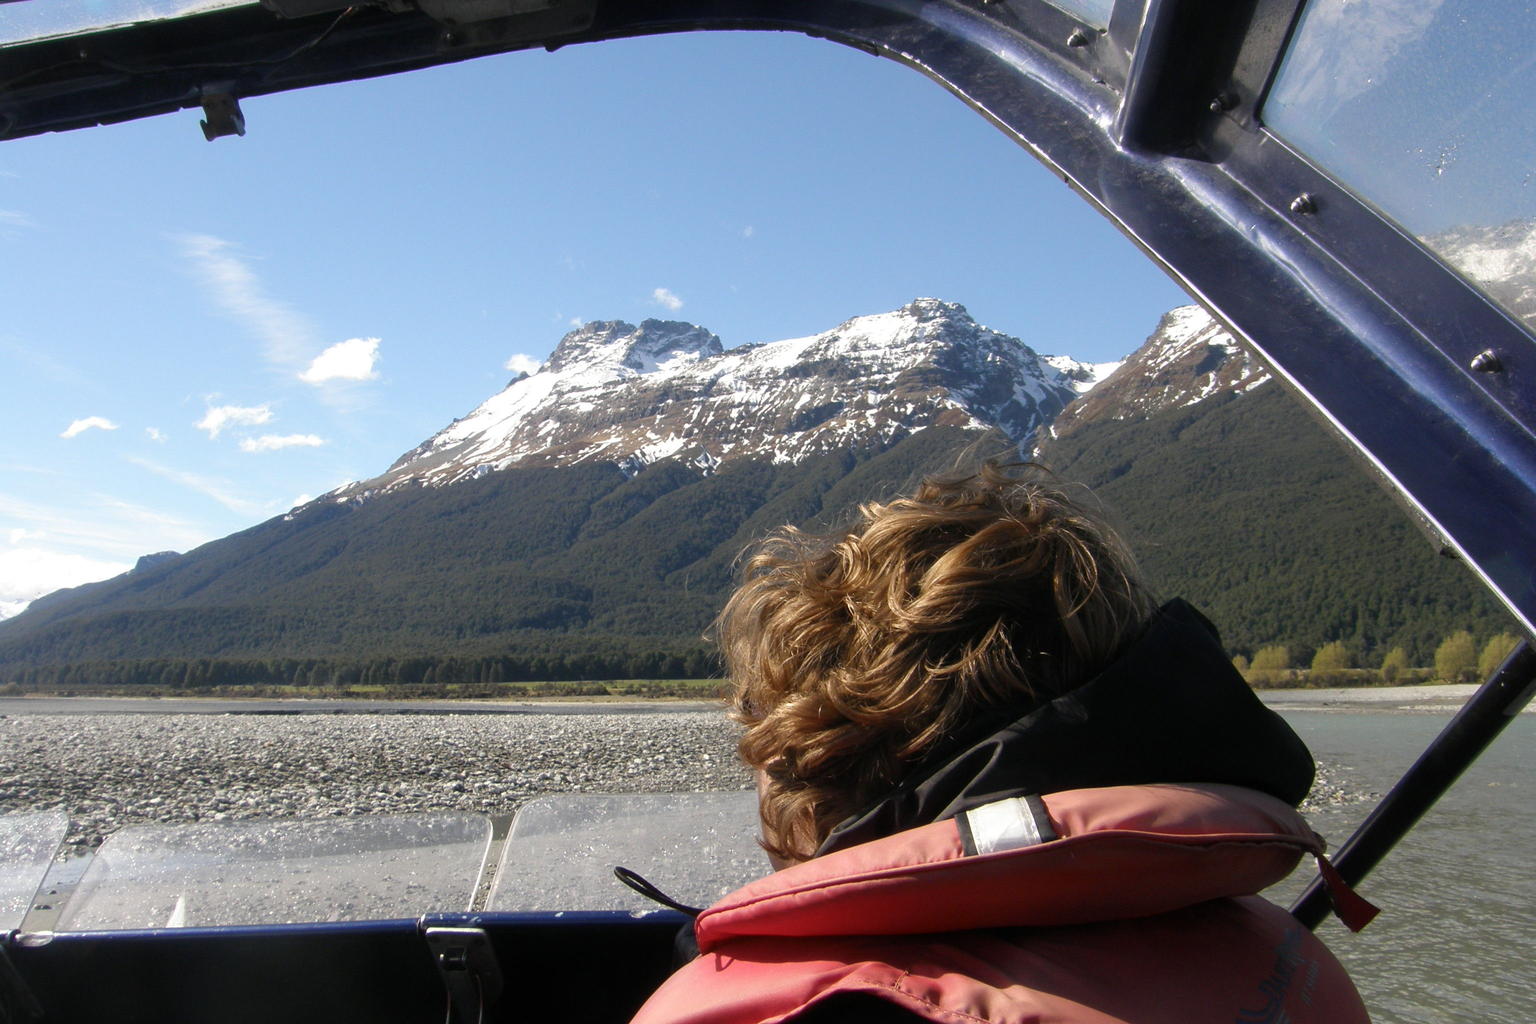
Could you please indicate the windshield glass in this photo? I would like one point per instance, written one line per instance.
(1423, 108)
(27, 845)
(1094, 12)
(562, 850)
(42, 19)
(279, 872)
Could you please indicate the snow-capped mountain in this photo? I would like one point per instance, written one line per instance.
(1188, 358)
(1084, 377)
(1499, 259)
(631, 396)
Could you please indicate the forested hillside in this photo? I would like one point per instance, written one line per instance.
(537, 573)
(1247, 507)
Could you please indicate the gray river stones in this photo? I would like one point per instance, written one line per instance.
(108, 771)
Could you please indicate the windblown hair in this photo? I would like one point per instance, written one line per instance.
(853, 656)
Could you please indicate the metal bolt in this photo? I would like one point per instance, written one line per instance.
(1487, 361)
(1223, 102)
(1079, 38)
(1304, 204)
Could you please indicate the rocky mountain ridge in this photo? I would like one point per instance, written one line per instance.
(1186, 360)
(632, 396)
(1499, 258)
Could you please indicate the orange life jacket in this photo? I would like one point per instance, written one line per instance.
(1121, 904)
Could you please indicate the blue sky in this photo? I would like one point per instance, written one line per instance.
(199, 335)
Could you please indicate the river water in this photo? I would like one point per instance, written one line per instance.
(1456, 938)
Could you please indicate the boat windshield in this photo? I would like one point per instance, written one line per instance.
(560, 854)
(1094, 12)
(1422, 107)
(29, 20)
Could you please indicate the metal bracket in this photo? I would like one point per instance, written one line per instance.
(467, 961)
(221, 113)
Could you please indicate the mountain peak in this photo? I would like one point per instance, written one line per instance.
(614, 343)
(1188, 358)
(614, 392)
(924, 309)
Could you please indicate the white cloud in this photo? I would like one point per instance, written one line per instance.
(220, 416)
(352, 359)
(523, 364)
(748, 231)
(155, 434)
(17, 536)
(273, 442)
(664, 297)
(103, 527)
(27, 573)
(15, 219)
(285, 334)
(81, 426)
(209, 487)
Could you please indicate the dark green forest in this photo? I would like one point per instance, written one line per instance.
(530, 574)
(1248, 508)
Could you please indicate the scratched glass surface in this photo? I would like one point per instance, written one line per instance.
(1093, 12)
(1423, 108)
(44, 19)
(280, 872)
(27, 844)
(562, 850)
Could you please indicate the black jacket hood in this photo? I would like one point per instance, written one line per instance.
(1170, 708)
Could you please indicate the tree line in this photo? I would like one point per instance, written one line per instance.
(424, 670)
(1250, 510)
(1459, 658)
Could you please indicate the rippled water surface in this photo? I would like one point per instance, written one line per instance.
(1456, 939)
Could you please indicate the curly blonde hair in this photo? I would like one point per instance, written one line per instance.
(853, 656)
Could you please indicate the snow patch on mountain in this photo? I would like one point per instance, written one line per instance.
(1500, 259)
(1084, 377)
(632, 396)
(1188, 359)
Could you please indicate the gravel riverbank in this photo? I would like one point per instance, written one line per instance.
(108, 771)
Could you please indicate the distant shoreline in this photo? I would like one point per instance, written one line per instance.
(46, 704)
(1428, 698)
(1433, 697)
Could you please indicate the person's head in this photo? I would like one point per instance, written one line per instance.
(855, 655)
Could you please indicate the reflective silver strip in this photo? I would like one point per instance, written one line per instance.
(1008, 825)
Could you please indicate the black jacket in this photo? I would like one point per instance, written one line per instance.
(1170, 708)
